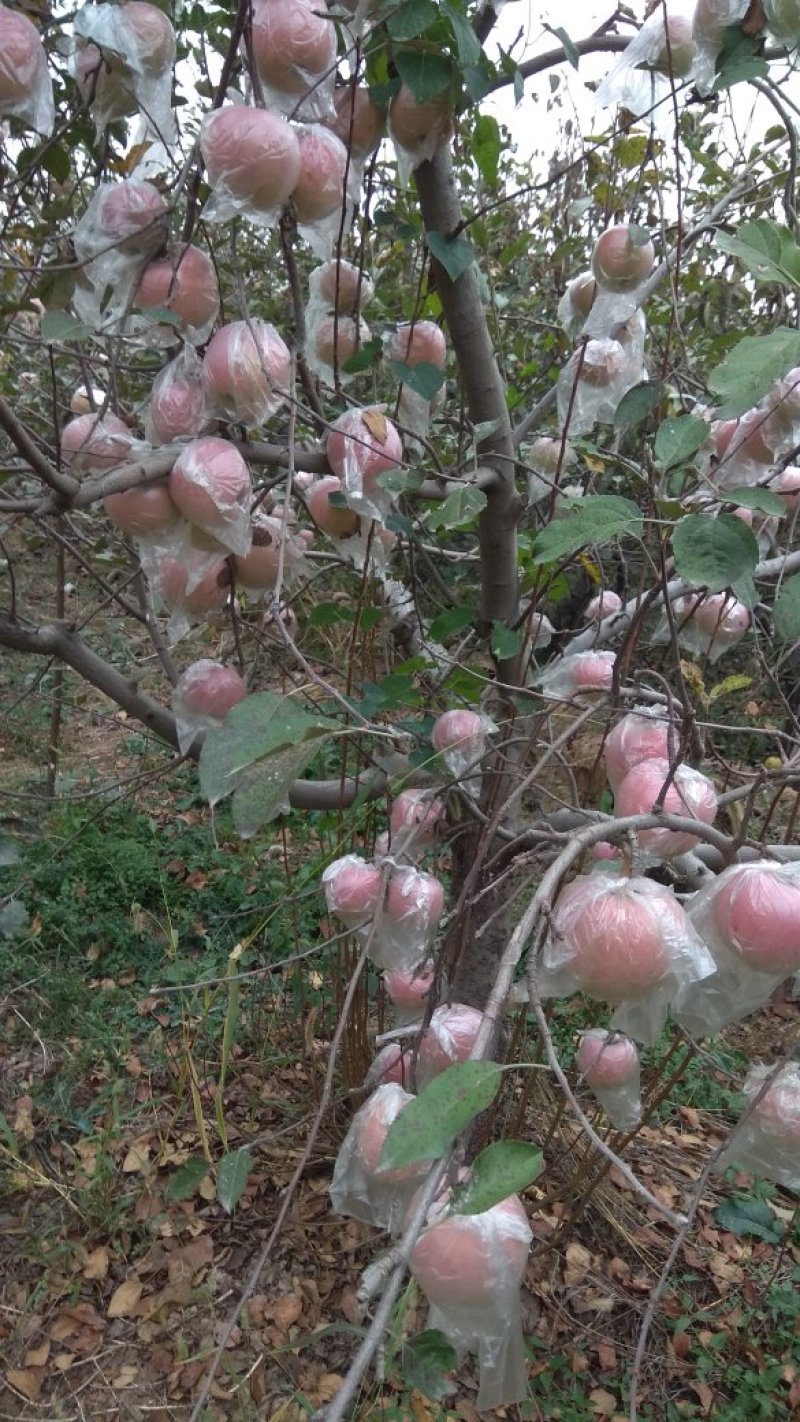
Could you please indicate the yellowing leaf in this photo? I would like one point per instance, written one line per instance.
(137, 1158)
(125, 1298)
(377, 424)
(96, 1266)
(28, 1381)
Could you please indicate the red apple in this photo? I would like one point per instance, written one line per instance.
(359, 122)
(635, 738)
(184, 283)
(352, 889)
(21, 58)
(468, 1261)
(210, 483)
(618, 946)
(294, 43)
(464, 731)
(208, 689)
(367, 441)
(690, 794)
(259, 568)
(336, 339)
(449, 1038)
(254, 153)
(620, 264)
(338, 522)
(607, 1059)
(582, 291)
(415, 126)
(419, 811)
(604, 605)
(409, 989)
(787, 487)
(177, 402)
(141, 511)
(246, 371)
(132, 215)
(95, 443)
(415, 900)
(153, 33)
(424, 341)
(593, 671)
(319, 189)
(209, 593)
(756, 912)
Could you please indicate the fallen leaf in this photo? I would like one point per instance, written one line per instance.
(28, 1381)
(603, 1403)
(125, 1298)
(137, 1158)
(285, 1310)
(96, 1266)
(127, 1374)
(22, 1123)
(705, 1395)
(37, 1357)
(606, 1356)
(327, 1387)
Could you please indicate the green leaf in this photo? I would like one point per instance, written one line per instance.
(592, 521)
(467, 42)
(762, 500)
(232, 1173)
(14, 919)
(327, 614)
(487, 145)
(161, 316)
(500, 1170)
(455, 254)
(424, 1362)
(752, 367)
(459, 508)
(571, 50)
(399, 481)
(678, 440)
(58, 326)
(412, 18)
(266, 741)
(455, 619)
(430, 1123)
(423, 378)
(786, 611)
(741, 1216)
(186, 1178)
(637, 404)
(713, 552)
(426, 73)
(367, 356)
(504, 642)
(767, 249)
(738, 60)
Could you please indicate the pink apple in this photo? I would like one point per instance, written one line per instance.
(618, 946)
(787, 487)
(359, 122)
(155, 37)
(449, 1038)
(756, 912)
(635, 738)
(294, 43)
(374, 1120)
(132, 215)
(391, 1064)
(352, 889)
(607, 1059)
(184, 283)
(722, 618)
(365, 440)
(209, 593)
(342, 285)
(466, 1261)
(620, 264)
(415, 900)
(464, 731)
(604, 605)
(259, 568)
(254, 153)
(414, 126)
(177, 403)
(603, 363)
(582, 291)
(419, 811)
(409, 989)
(319, 190)
(336, 521)
(677, 57)
(210, 483)
(21, 57)
(749, 438)
(690, 794)
(336, 338)
(141, 511)
(593, 671)
(423, 341)
(95, 443)
(209, 688)
(246, 371)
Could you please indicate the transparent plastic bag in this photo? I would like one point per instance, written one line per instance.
(202, 699)
(392, 1064)
(600, 379)
(331, 340)
(358, 122)
(743, 452)
(246, 372)
(407, 926)
(123, 61)
(26, 89)
(711, 19)
(361, 445)
(783, 21)
(274, 546)
(252, 158)
(471, 1267)
(576, 303)
(124, 224)
(766, 1142)
(415, 820)
(418, 130)
(210, 484)
(339, 285)
(706, 626)
(177, 406)
(294, 49)
(576, 674)
(354, 889)
(408, 992)
(359, 1188)
(645, 733)
(191, 578)
(461, 738)
(690, 794)
(184, 282)
(782, 427)
(326, 189)
(448, 1038)
(626, 942)
(609, 1063)
(640, 79)
(543, 459)
(96, 444)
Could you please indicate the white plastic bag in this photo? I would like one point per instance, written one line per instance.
(252, 158)
(210, 484)
(576, 674)
(361, 445)
(26, 89)
(294, 49)
(609, 1063)
(690, 794)
(706, 626)
(123, 61)
(461, 738)
(246, 372)
(360, 1188)
(767, 1141)
(202, 699)
(448, 1038)
(640, 79)
(177, 405)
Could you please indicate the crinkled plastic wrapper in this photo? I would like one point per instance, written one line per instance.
(189, 721)
(607, 372)
(25, 81)
(616, 314)
(639, 81)
(577, 673)
(328, 337)
(406, 929)
(449, 1038)
(192, 580)
(257, 571)
(767, 1141)
(246, 372)
(726, 621)
(750, 920)
(352, 889)
(620, 1098)
(340, 285)
(123, 65)
(465, 762)
(177, 406)
(187, 278)
(626, 942)
(253, 163)
(471, 1267)
(370, 445)
(712, 18)
(325, 204)
(415, 821)
(288, 86)
(646, 732)
(210, 483)
(123, 226)
(690, 794)
(359, 1187)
